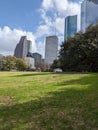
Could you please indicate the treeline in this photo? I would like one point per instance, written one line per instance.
(8, 63)
(80, 53)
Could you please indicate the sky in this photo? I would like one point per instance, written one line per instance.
(34, 18)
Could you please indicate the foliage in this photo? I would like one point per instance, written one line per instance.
(42, 66)
(7, 62)
(2, 62)
(12, 63)
(21, 65)
(56, 64)
(80, 53)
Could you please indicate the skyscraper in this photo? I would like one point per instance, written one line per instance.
(22, 48)
(51, 49)
(29, 46)
(70, 26)
(89, 13)
(37, 57)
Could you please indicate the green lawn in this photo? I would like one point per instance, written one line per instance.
(47, 101)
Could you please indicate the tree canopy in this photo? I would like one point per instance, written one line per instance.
(80, 53)
(12, 63)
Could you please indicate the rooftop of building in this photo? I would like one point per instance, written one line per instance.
(54, 36)
(94, 1)
(36, 53)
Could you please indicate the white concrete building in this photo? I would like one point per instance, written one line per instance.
(30, 62)
(51, 49)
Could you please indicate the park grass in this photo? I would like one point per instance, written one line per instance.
(48, 101)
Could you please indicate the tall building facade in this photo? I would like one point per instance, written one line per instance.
(30, 62)
(29, 46)
(51, 49)
(22, 48)
(89, 13)
(37, 57)
(70, 26)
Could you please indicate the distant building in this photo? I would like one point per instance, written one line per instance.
(37, 57)
(23, 50)
(70, 26)
(30, 62)
(29, 46)
(29, 54)
(51, 49)
(1, 55)
(89, 13)
(23, 47)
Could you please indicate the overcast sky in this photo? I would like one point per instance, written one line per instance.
(34, 18)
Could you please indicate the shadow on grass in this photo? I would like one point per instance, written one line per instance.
(90, 80)
(65, 109)
(33, 74)
(43, 73)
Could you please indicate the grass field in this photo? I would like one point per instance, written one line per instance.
(47, 101)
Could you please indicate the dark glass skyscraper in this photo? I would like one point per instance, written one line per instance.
(70, 26)
(89, 13)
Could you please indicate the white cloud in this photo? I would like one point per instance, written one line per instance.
(10, 37)
(46, 18)
(59, 24)
(43, 30)
(59, 6)
(41, 47)
(53, 13)
(46, 4)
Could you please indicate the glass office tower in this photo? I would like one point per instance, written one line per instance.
(89, 13)
(70, 26)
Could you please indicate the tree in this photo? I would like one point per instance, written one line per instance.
(2, 63)
(10, 62)
(42, 66)
(21, 65)
(55, 64)
(80, 53)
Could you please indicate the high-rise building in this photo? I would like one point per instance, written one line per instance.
(29, 46)
(22, 48)
(70, 26)
(1, 55)
(51, 49)
(37, 57)
(89, 13)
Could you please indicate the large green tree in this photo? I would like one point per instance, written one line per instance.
(56, 64)
(21, 65)
(80, 53)
(10, 62)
